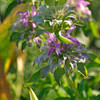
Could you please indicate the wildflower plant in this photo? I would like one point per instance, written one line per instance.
(56, 19)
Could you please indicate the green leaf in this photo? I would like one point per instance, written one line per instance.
(93, 64)
(70, 92)
(59, 72)
(10, 7)
(17, 43)
(40, 59)
(94, 58)
(40, 31)
(50, 2)
(82, 69)
(95, 97)
(47, 27)
(85, 30)
(81, 85)
(23, 45)
(63, 98)
(94, 29)
(70, 14)
(62, 38)
(44, 71)
(35, 77)
(61, 2)
(32, 94)
(46, 12)
(67, 68)
(70, 7)
(15, 36)
(38, 19)
(53, 66)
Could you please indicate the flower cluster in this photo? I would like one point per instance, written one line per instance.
(62, 54)
(26, 17)
(80, 6)
(25, 27)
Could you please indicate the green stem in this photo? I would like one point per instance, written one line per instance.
(71, 84)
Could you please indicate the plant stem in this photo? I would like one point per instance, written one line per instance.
(72, 86)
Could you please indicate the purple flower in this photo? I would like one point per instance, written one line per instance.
(33, 25)
(37, 40)
(80, 5)
(69, 30)
(51, 40)
(33, 11)
(50, 35)
(74, 40)
(24, 17)
(84, 3)
(57, 48)
(50, 50)
(53, 43)
(25, 22)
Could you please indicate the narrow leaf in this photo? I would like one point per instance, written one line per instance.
(35, 77)
(94, 29)
(82, 69)
(62, 38)
(32, 94)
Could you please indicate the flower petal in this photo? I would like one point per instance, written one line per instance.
(74, 40)
(33, 10)
(57, 48)
(69, 30)
(20, 12)
(33, 25)
(50, 50)
(25, 22)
